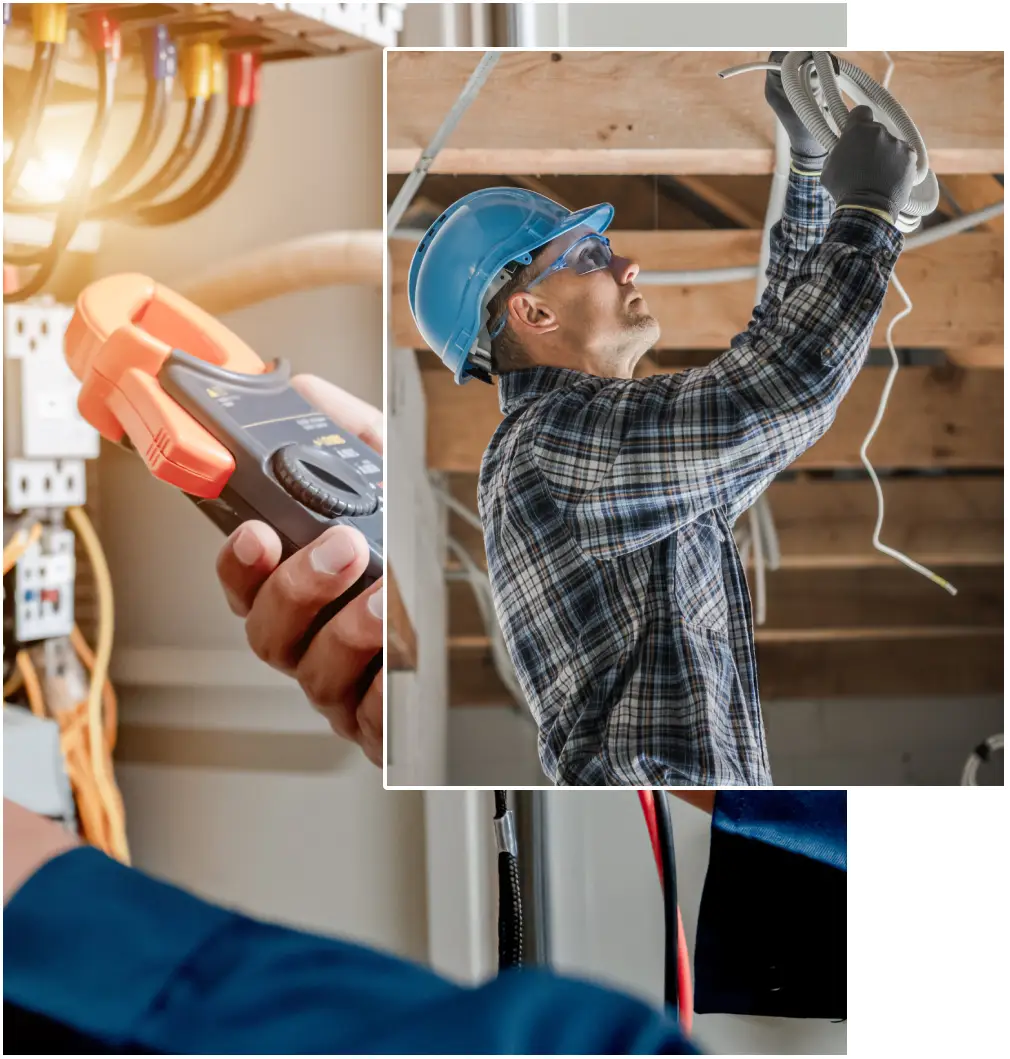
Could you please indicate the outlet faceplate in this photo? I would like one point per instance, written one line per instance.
(45, 483)
(44, 588)
(41, 416)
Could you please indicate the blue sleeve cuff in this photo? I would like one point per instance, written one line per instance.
(91, 944)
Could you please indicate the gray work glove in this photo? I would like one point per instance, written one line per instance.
(807, 152)
(869, 167)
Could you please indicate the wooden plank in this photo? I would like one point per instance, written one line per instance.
(977, 357)
(955, 285)
(827, 600)
(975, 192)
(727, 204)
(943, 521)
(401, 639)
(662, 112)
(943, 665)
(936, 417)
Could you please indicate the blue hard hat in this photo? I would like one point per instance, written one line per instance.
(460, 265)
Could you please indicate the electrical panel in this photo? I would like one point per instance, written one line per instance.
(44, 588)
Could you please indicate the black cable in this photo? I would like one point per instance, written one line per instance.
(664, 831)
(24, 130)
(510, 909)
(76, 200)
(228, 158)
(195, 124)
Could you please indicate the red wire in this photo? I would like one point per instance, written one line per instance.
(684, 986)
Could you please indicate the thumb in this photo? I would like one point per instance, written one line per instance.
(862, 115)
(346, 410)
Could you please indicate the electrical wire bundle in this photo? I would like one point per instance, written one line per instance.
(155, 200)
(677, 989)
(87, 727)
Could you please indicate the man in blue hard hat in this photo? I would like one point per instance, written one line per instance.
(608, 502)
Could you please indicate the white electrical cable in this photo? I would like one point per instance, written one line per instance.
(761, 610)
(808, 75)
(981, 754)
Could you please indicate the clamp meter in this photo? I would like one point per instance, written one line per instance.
(163, 377)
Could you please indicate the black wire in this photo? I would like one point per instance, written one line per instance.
(76, 200)
(664, 831)
(228, 158)
(24, 129)
(510, 909)
(195, 124)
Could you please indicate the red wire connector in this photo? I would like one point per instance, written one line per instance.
(243, 78)
(103, 34)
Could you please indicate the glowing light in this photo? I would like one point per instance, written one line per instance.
(47, 176)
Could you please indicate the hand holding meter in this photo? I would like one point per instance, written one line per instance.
(163, 377)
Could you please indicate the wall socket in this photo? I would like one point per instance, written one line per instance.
(45, 483)
(41, 420)
(44, 588)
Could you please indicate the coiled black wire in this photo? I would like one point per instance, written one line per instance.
(510, 908)
(76, 200)
(23, 129)
(664, 831)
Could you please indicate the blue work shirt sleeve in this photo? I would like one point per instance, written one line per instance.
(772, 924)
(114, 960)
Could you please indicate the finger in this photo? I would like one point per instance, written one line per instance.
(354, 415)
(247, 559)
(331, 669)
(370, 722)
(861, 113)
(292, 596)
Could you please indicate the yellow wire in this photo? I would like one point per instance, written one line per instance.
(19, 544)
(100, 761)
(33, 686)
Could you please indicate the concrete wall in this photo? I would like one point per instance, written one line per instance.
(606, 918)
(818, 743)
(280, 821)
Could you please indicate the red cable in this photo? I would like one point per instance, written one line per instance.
(684, 987)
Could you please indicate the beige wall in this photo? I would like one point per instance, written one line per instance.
(284, 823)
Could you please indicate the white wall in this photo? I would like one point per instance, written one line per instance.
(324, 847)
(606, 915)
(831, 742)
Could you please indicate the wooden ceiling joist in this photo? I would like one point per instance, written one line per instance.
(911, 666)
(401, 640)
(948, 521)
(663, 112)
(955, 285)
(936, 418)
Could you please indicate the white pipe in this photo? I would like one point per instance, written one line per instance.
(445, 130)
(525, 16)
(330, 259)
(448, 13)
(479, 33)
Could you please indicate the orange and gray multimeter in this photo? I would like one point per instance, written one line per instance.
(161, 376)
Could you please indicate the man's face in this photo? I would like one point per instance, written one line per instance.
(602, 312)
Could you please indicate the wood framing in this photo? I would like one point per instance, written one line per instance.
(663, 112)
(942, 664)
(937, 417)
(956, 287)
(401, 640)
(821, 524)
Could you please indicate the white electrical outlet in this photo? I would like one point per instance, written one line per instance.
(44, 588)
(42, 420)
(45, 483)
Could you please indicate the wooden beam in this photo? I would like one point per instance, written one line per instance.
(977, 357)
(724, 203)
(821, 524)
(956, 286)
(401, 640)
(936, 417)
(662, 112)
(941, 665)
(854, 601)
(975, 192)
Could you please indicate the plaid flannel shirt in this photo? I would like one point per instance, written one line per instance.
(608, 507)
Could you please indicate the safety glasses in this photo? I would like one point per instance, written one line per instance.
(588, 254)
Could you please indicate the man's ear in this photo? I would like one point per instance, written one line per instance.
(530, 315)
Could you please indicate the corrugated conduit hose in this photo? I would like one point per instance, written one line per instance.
(812, 81)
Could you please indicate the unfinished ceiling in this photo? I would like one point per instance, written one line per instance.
(686, 159)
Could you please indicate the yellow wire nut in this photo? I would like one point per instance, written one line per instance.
(198, 70)
(49, 23)
(218, 75)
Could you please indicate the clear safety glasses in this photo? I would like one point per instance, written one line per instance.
(588, 254)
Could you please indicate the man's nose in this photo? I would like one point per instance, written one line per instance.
(624, 269)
